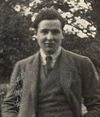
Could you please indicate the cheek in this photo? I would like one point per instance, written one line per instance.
(59, 38)
(40, 42)
(41, 37)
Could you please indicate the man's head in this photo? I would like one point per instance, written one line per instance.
(49, 30)
(48, 14)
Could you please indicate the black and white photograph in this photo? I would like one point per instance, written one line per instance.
(49, 58)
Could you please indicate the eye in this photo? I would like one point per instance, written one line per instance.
(44, 31)
(55, 31)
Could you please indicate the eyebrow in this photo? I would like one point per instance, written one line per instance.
(52, 30)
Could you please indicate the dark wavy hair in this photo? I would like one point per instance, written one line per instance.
(48, 14)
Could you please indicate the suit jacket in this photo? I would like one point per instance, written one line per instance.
(78, 78)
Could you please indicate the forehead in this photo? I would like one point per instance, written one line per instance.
(50, 24)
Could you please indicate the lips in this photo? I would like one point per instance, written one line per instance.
(49, 44)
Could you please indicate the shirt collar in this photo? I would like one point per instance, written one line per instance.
(54, 56)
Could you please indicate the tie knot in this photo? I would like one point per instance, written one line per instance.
(49, 59)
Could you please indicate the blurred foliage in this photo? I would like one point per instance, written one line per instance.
(16, 41)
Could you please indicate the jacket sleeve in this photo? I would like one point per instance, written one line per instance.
(11, 101)
(91, 89)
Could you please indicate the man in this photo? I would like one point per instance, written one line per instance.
(55, 81)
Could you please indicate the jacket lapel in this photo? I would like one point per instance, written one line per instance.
(33, 78)
(65, 71)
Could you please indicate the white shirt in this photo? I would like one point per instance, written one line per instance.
(54, 56)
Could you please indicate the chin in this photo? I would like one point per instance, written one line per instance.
(49, 51)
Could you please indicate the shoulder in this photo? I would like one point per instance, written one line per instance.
(26, 61)
(76, 59)
(72, 55)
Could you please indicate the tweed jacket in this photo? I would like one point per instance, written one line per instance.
(78, 78)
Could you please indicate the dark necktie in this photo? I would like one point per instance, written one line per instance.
(49, 64)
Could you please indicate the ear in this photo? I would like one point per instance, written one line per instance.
(63, 34)
(35, 35)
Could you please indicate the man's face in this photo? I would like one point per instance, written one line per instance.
(49, 35)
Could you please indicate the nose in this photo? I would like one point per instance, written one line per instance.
(49, 36)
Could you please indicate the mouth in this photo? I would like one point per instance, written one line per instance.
(49, 44)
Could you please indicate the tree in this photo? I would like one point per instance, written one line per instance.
(15, 39)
